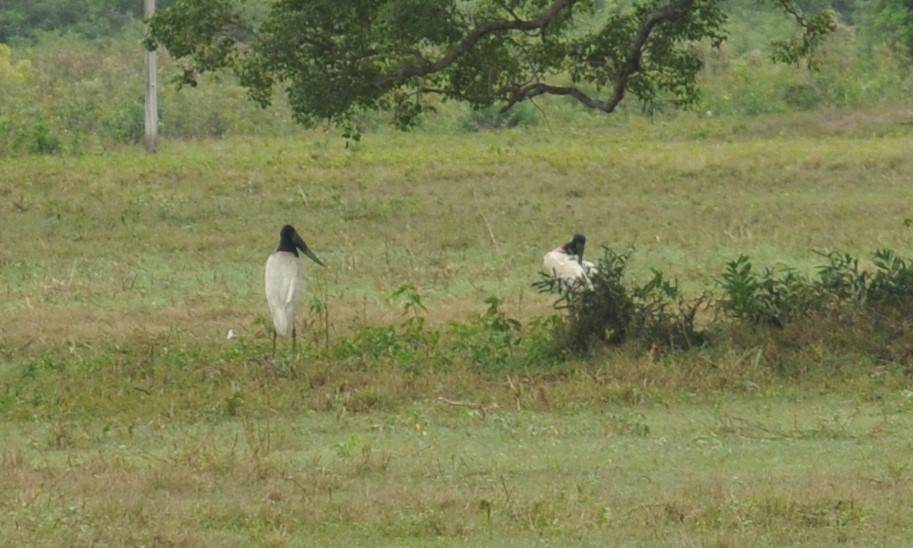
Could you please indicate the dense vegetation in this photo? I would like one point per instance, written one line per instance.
(69, 89)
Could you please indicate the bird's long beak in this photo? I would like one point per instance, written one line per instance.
(311, 255)
(304, 249)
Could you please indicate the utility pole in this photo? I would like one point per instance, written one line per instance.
(152, 111)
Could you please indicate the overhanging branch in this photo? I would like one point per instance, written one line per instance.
(425, 67)
(671, 12)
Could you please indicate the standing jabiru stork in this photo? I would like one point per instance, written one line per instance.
(284, 285)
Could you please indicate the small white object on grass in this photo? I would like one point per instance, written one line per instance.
(232, 335)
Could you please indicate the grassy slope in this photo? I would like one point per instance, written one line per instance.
(129, 419)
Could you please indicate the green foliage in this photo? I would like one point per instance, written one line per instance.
(893, 21)
(607, 312)
(859, 312)
(37, 139)
(126, 124)
(69, 94)
(842, 281)
(842, 288)
(337, 61)
(664, 316)
(490, 341)
(409, 346)
(658, 316)
(815, 29)
(87, 94)
(892, 282)
(770, 298)
(26, 19)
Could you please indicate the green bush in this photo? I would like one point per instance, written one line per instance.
(38, 139)
(892, 282)
(607, 312)
(845, 302)
(127, 122)
(491, 340)
(801, 96)
(770, 297)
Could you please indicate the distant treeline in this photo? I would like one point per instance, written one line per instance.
(24, 19)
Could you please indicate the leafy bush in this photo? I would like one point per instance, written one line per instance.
(410, 345)
(841, 281)
(767, 298)
(892, 282)
(38, 139)
(126, 123)
(801, 96)
(843, 287)
(663, 317)
(490, 340)
(846, 302)
(606, 312)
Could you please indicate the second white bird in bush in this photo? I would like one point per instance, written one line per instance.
(566, 263)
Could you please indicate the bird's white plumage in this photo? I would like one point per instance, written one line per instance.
(567, 268)
(283, 290)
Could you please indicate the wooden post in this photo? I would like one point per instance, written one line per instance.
(152, 114)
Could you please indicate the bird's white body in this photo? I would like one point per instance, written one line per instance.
(283, 290)
(567, 268)
(284, 285)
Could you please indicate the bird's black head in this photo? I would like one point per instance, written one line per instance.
(576, 245)
(290, 241)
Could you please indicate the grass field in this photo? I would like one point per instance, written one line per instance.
(130, 419)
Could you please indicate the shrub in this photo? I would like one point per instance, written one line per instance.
(126, 123)
(801, 96)
(892, 282)
(770, 297)
(606, 312)
(490, 340)
(38, 139)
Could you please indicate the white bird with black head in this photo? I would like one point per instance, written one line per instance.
(284, 285)
(566, 263)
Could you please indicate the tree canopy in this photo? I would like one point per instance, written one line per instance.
(23, 19)
(335, 59)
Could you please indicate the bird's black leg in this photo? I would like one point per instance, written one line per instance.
(294, 343)
(274, 342)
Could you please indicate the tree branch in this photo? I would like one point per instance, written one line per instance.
(425, 67)
(540, 88)
(632, 64)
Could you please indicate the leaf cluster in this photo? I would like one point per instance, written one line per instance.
(846, 294)
(606, 311)
(336, 60)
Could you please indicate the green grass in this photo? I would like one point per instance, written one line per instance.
(129, 419)
(178, 240)
(763, 469)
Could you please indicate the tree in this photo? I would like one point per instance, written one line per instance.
(23, 19)
(893, 21)
(336, 59)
